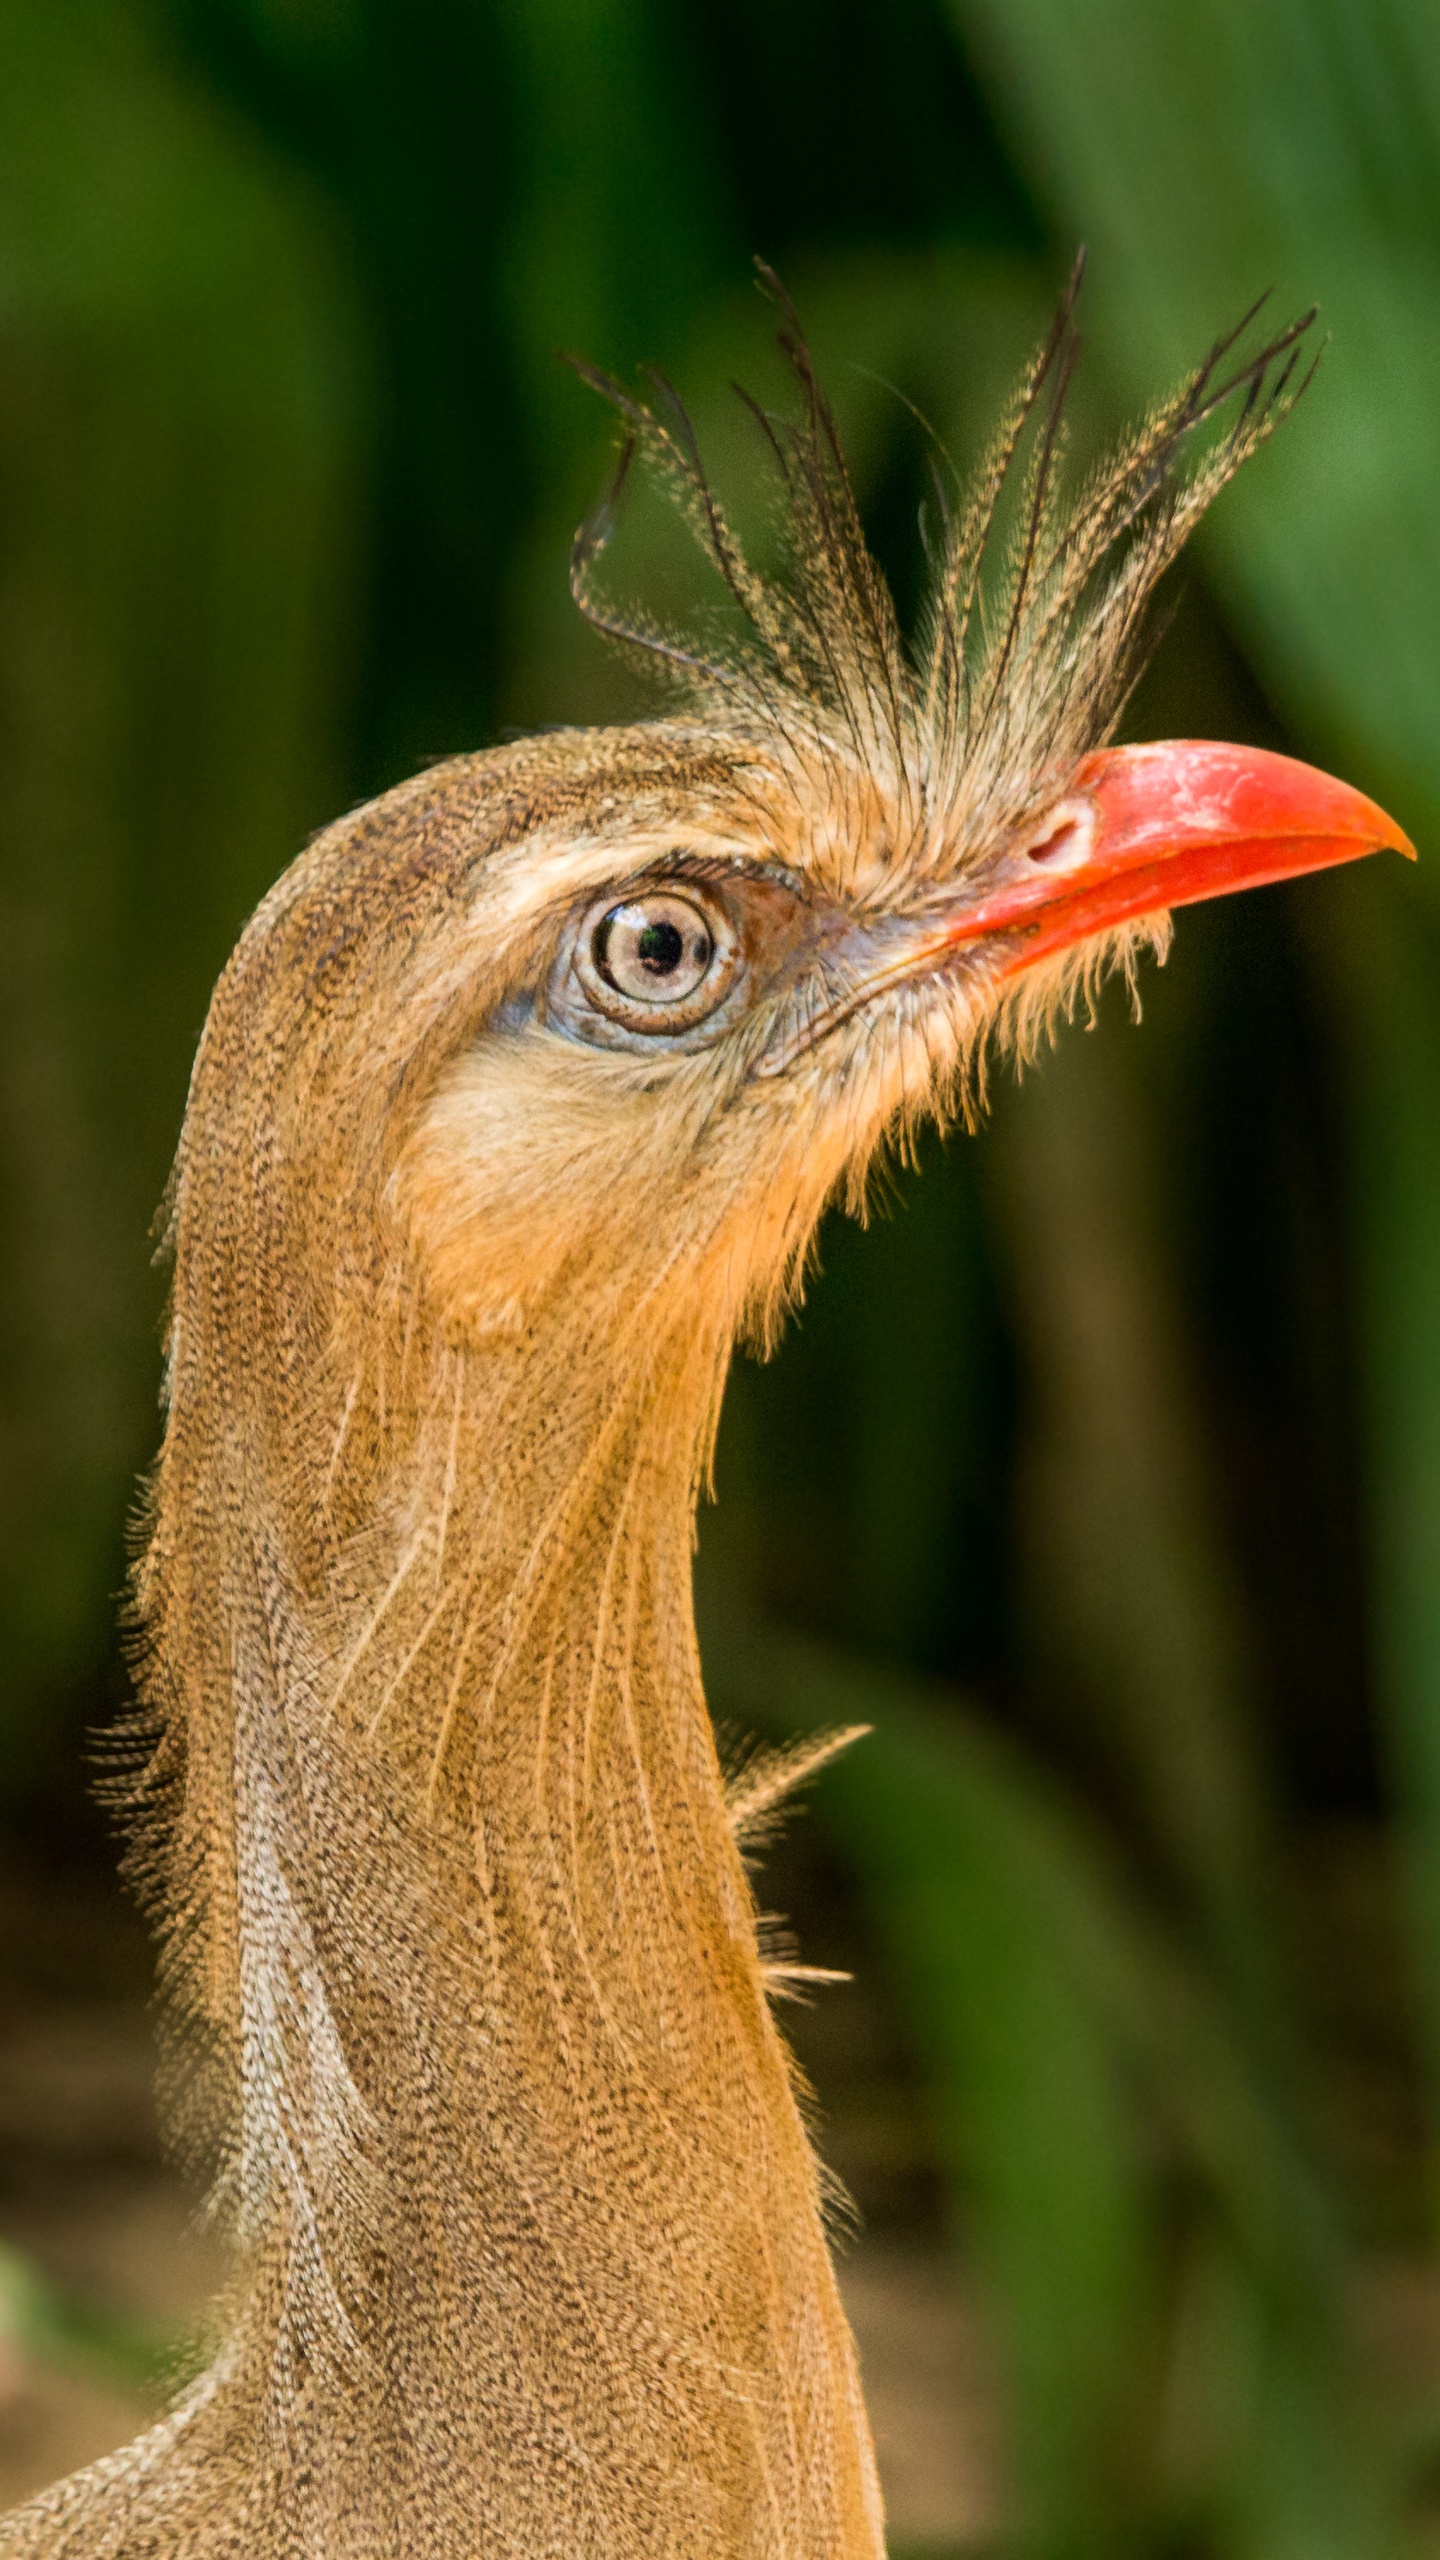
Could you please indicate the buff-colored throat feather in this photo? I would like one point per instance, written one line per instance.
(520, 1097)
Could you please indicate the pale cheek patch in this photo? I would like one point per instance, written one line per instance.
(531, 1168)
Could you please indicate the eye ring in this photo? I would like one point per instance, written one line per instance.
(659, 960)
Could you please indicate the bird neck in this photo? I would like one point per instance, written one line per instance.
(536, 2245)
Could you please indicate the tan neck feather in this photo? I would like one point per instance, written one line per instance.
(533, 2237)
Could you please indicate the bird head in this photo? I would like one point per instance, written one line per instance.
(750, 943)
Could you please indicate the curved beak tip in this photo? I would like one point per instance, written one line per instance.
(1173, 823)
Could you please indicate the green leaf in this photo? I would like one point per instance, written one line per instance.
(1081, 2058)
(182, 404)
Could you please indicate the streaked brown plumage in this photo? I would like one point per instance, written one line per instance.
(468, 1213)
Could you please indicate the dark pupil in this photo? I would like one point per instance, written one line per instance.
(660, 948)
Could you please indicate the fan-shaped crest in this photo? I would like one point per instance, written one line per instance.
(1036, 601)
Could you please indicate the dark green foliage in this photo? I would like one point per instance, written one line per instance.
(179, 394)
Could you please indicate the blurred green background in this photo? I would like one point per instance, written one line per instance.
(1102, 1476)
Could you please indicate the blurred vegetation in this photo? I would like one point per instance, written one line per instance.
(80, 2336)
(1102, 1477)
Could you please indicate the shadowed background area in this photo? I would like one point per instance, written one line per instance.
(1101, 1477)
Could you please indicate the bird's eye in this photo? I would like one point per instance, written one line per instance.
(654, 950)
(657, 961)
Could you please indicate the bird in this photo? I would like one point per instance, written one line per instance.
(516, 1108)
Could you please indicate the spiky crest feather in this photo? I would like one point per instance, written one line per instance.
(1022, 664)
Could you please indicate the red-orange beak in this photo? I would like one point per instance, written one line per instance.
(1146, 828)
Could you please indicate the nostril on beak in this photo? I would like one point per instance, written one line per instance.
(1067, 841)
